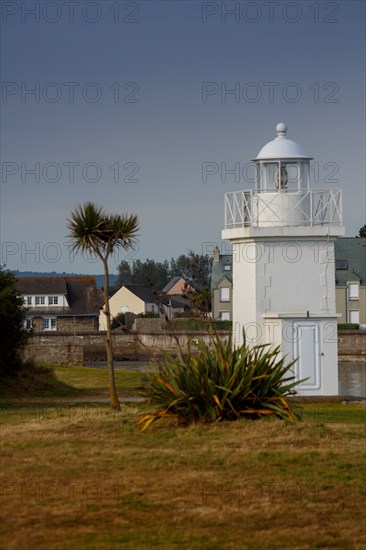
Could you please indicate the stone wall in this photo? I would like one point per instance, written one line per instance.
(352, 345)
(74, 349)
(76, 325)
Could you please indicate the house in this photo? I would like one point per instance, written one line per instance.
(141, 299)
(221, 286)
(63, 304)
(350, 260)
(350, 272)
(177, 286)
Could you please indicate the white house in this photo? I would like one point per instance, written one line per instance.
(141, 299)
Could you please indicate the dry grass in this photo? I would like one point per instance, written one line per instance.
(85, 478)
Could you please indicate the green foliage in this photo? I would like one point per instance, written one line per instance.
(149, 272)
(118, 320)
(200, 300)
(92, 229)
(181, 323)
(223, 325)
(221, 384)
(195, 268)
(348, 326)
(362, 232)
(14, 336)
(148, 315)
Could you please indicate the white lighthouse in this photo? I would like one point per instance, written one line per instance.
(283, 234)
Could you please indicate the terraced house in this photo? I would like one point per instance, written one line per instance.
(63, 304)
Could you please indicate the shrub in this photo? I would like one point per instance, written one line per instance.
(118, 321)
(148, 315)
(199, 324)
(14, 335)
(348, 326)
(221, 383)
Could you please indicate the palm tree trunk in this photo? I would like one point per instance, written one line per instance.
(113, 397)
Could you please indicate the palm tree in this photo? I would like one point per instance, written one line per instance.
(94, 230)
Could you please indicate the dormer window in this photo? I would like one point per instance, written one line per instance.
(40, 300)
(342, 264)
(52, 300)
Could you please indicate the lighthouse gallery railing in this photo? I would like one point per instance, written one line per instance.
(256, 209)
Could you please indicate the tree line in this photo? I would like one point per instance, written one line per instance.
(195, 268)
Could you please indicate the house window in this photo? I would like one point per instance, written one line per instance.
(29, 300)
(354, 316)
(353, 291)
(341, 264)
(40, 300)
(52, 300)
(227, 267)
(49, 323)
(28, 324)
(224, 294)
(225, 316)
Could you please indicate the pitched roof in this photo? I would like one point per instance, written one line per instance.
(143, 292)
(352, 249)
(172, 282)
(147, 295)
(41, 285)
(83, 296)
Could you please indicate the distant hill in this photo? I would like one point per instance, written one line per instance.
(100, 278)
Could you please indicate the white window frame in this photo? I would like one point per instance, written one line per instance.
(353, 321)
(353, 291)
(40, 300)
(52, 300)
(28, 300)
(223, 294)
(226, 317)
(49, 323)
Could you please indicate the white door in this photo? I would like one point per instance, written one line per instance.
(307, 349)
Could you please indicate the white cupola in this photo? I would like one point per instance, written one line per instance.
(282, 199)
(282, 164)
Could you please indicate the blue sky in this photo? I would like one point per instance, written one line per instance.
(127, 109)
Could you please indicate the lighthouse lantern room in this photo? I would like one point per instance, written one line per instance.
(283, 234)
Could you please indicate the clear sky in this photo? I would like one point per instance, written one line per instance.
(131, 99)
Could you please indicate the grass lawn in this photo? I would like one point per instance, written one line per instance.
(81, 477)
(69, 382)
(90, 379)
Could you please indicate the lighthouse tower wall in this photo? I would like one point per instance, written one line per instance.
(284, 294)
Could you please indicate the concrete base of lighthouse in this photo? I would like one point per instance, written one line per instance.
(284, 294)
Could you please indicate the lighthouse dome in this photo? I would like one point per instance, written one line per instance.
(281, 147)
